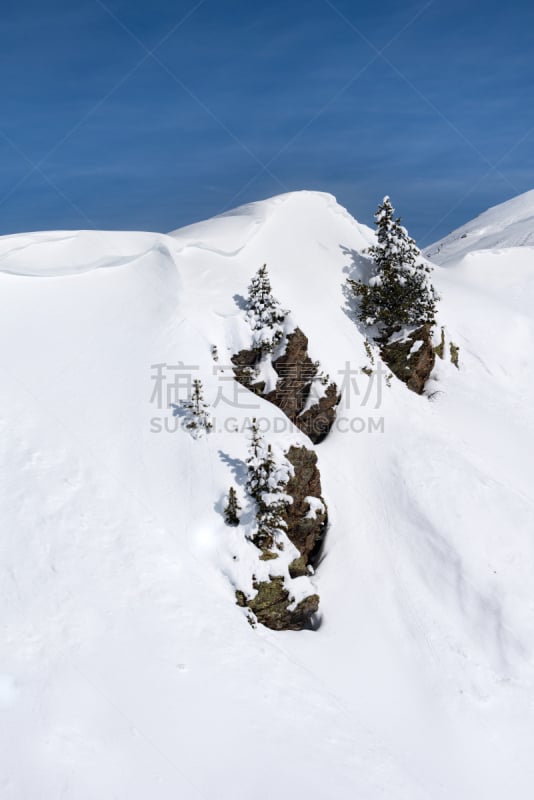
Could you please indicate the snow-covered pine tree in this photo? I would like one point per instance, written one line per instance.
(198, 419)
(267, 479)
(232, 509)
(265, 315)
(257, 478)
(270, 515)
(400, 292)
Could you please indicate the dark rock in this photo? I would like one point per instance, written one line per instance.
(296, 373)
(267, 555)
(245, 363)
(413, 369)
(317, 420)
(270, 606)
(439, 349)
(241, 598)
(455, 354)
(271, 603)
(305, 532)
(298, 568)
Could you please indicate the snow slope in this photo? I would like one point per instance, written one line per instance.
(510, 224)
(126, 669)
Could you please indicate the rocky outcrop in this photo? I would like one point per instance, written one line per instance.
(296, 375)
(454, 350)
(306, 520)
(245, 363)
(296, 372)
(412, 358)
(271, 606)
(317, 421)
(307, 515)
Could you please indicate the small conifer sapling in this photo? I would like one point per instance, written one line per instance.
(198, 418)
(232, 509)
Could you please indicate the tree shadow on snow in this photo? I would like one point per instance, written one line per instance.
(239, 471)
(178, 411)
(359, 268)
(240, 302)
(237, 466)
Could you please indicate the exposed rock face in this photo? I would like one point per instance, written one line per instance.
(317, 420)
(245, 363)
(306, 526)
(271, 606)
(306, 519)
(296, 373)
(454, 350)
(411, 359)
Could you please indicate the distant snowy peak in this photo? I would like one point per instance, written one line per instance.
(510, 224)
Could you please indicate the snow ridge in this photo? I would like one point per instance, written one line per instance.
(510, 224)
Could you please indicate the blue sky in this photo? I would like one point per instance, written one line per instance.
(127, 114)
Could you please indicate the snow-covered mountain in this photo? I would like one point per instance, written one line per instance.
(126, 668)
(510, 224)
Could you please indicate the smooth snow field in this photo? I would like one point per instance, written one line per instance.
(127, 671)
